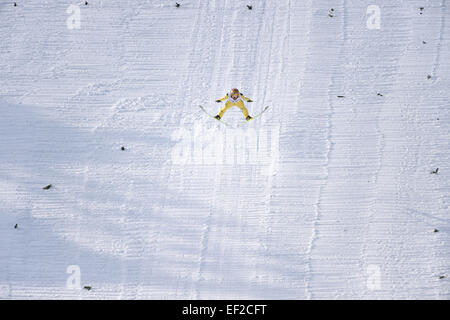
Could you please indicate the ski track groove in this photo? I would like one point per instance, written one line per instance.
(329, 149)
(441, 38)
(207, 220)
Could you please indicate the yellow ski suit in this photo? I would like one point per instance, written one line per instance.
(231, 102)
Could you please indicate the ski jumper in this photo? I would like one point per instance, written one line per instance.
(234, 103)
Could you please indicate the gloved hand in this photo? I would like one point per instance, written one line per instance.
(249, 100)
(218, 101)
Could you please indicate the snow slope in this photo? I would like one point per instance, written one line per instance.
(328, 195)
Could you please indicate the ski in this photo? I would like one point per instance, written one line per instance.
(209, 115)
(258, 115)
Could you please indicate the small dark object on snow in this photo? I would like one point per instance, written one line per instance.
(85, 3)
(87, 288)
(123, 148)
(177, 5)
(437, 119)
(435, 171)
(249, 7)
(332, 9)
(424, 42)
(15, 4)
(441, 277)
(16, 226)
(379, 94)
(428, 77)
(47, 187)
(435, 230)
(341, 96)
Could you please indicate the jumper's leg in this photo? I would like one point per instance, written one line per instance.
(227, 106)
(241, 106)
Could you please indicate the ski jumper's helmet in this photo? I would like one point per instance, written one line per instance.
(234, 92)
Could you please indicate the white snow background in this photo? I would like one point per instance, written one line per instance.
(329, 195)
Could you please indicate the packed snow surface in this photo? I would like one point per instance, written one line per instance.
(329, 195)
